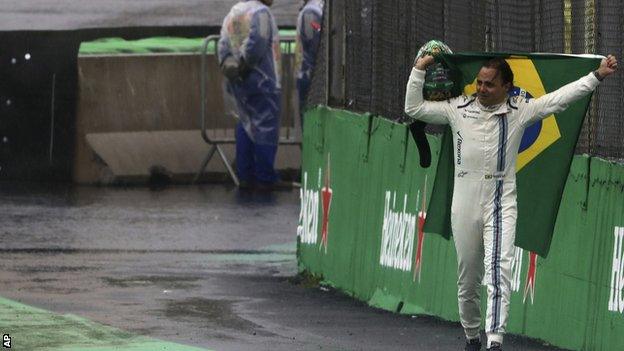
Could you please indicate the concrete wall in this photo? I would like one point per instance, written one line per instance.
(136, 111)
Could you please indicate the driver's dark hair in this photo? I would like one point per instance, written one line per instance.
(501, 65)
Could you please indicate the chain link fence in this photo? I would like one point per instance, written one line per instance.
(368, 48)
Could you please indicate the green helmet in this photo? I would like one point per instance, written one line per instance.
(433, 47)
(438, 82)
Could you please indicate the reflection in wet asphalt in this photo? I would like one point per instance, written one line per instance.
(179, 218)
(165, 264)
(203, 266)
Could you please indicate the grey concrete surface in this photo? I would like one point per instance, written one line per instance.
(79, 14)
(205, 266)
(129, 119)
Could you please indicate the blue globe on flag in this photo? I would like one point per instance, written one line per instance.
(532, 132)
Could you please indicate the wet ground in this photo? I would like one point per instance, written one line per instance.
(206, 266)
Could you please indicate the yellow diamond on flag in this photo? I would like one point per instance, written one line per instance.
(526, 77)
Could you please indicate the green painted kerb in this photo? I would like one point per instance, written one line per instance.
(363, 192)
(33, 329)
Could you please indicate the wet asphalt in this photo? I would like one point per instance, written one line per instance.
(206, 266)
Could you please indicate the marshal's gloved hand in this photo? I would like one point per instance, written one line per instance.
(230, 68)
(243, 68)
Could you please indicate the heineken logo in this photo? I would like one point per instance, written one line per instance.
(516, 270)
(422, 215)
(315, 201)
(516, 274)
(529, 285)
(307, 230)
(397, 234)
(616, 295)
(326, 196)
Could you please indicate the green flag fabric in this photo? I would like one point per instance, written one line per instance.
(546, 150)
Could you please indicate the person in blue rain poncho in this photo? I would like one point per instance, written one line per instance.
(249, 55)
(309, 24)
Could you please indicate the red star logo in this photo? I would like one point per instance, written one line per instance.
(529, 287)
(422, 214)
(315, 25)
(326, 195)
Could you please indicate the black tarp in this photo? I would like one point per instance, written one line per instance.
(37, 104)
(38, 87)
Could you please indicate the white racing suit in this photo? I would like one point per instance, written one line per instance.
(483, 210)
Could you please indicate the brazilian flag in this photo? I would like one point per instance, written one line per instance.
(546, 149)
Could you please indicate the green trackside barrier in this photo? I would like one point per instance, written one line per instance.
(111, 46)
(362, 195)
